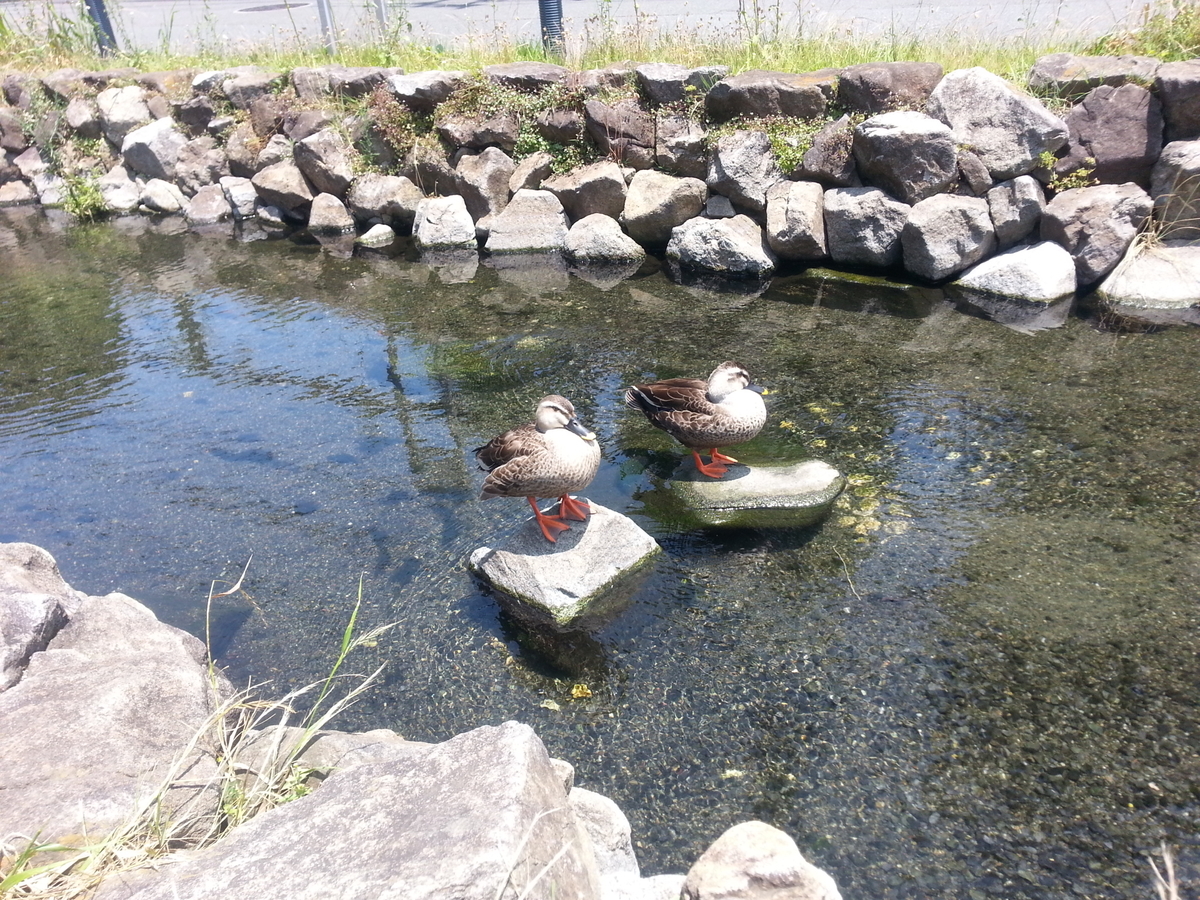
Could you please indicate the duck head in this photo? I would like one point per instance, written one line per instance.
(554, 411)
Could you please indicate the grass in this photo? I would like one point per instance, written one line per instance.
(40, 42)
(257, 753)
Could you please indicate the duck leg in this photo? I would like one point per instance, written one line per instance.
(569, 508)
(712, 470)
(549, 524)
(719, 457)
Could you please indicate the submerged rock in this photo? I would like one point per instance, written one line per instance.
(794, 496)
(1156, 284)
(579, 583)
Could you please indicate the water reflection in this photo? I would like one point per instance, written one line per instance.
(976, 678)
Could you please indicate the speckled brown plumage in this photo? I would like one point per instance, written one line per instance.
(704, 415)
(552, 457)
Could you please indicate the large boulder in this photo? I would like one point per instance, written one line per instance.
(423, 91)
(909, 154)
(1070, 76)
(153, 149)
(881, 87)
(671, 83)
(325, 160)
(830, 159)
(284, 185)
(756, 861)
(734, 247)
(242, 85)
(657, 202)
(480, 816)
(120, 190)
(595, 188)
(200, 162)
(1156, 284)
(622, 130)
(483, 181)
(328, 215)
(532, 222)
(759, 94)
(681, 146)
(443, 223)
(945, 234)
(743, 168)
(1028, 288)
(35, 604)
(12, 131)
(1118, 131)
(242, 197)
(475, 132)
(1177, 85)
(530, 77)
(1008, 130)
(1175, 187)
(1016, 208)
(863, 226)
(163, 196)
(796, 220)
(1096, 225)
(121, 110)
(576, 584)
(531, 171)
(83, 117)
(209, 206)
(612, 842)
(103, 714)
(390, 199)
(599, 239)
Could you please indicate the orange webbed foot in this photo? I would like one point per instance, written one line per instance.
(570, 508)
(550, 525)
(712, 470)
(719, 457)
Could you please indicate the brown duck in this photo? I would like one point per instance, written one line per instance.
(550, 457)
(725, 410)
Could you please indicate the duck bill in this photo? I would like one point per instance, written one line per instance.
(576, 427)
(757, 388)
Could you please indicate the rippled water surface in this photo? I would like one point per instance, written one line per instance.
(979, 677)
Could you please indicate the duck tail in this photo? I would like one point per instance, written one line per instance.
(636, 398)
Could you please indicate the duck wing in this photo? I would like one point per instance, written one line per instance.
(522, 441)
(673, 395)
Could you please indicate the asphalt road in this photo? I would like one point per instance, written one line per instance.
(220, 24)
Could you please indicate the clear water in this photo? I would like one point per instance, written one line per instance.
(979, 677)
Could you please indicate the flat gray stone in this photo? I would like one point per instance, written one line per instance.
(574, 584)
(792, 496)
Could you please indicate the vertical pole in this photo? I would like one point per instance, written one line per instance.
(104, 30)
(550, 12)
(381, 13)
(327, 26)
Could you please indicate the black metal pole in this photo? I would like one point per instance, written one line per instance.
(104, 29)
(552, 31)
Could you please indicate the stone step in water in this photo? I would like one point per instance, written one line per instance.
(792, 496)
(577, 584)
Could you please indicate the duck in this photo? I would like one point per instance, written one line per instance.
(552, 456)
(705, 415)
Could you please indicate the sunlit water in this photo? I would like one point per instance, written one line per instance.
(978, 677)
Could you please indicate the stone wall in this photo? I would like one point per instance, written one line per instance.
(960, 179)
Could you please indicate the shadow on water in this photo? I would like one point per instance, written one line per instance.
(976, 678)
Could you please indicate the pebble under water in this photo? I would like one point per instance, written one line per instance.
(978, 678)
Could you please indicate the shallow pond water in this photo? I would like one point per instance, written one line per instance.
(979, 677)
